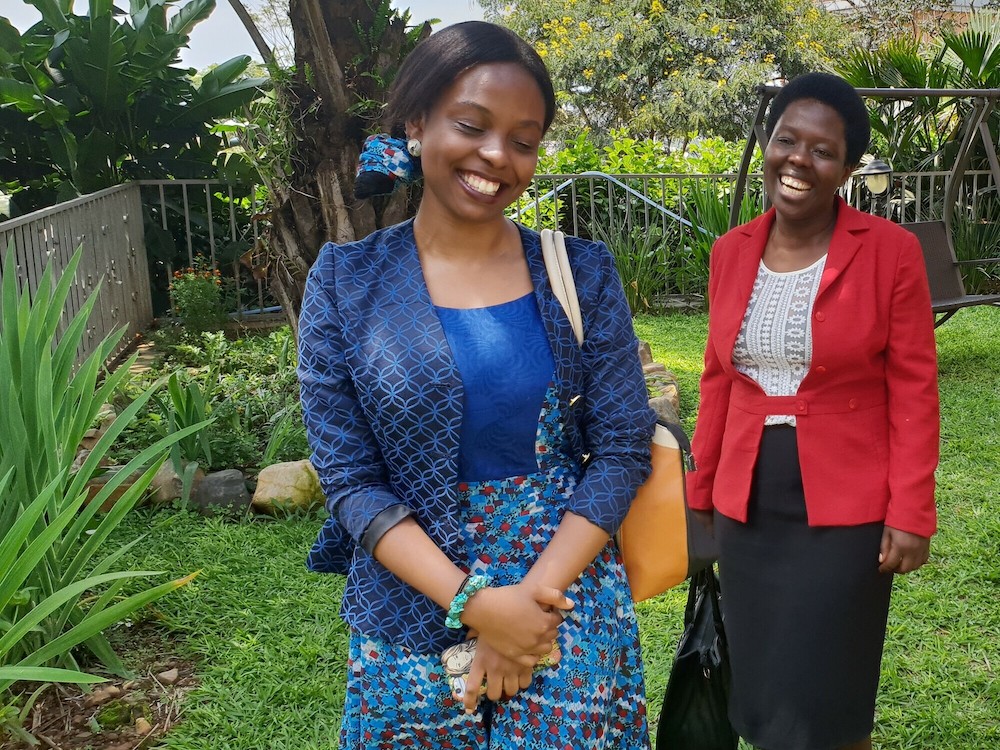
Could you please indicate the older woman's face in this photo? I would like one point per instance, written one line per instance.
(805, 161)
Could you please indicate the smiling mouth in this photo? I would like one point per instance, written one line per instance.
(792, 184)
(479, 184)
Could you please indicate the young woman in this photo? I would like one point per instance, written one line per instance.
(448, 405)
(817, 435)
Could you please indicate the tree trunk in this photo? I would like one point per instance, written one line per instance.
(343, 66)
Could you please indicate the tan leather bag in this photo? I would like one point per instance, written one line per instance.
(660, 540)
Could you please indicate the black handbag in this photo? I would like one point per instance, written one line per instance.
(695, 706)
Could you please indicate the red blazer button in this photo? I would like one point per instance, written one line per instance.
(820, 316)
(853, 403)
(821, 370)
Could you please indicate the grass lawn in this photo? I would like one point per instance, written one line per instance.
(271, 649)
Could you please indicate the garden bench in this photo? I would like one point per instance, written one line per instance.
(948, 294)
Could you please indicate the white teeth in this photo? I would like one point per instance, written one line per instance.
(791, 182)
(486, 187)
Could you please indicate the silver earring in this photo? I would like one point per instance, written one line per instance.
(413, 147)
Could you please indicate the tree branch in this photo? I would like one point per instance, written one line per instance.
(258, 39)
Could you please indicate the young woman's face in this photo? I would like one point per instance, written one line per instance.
(480, 142)
(805, 160)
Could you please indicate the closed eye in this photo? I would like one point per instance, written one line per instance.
(468, 128)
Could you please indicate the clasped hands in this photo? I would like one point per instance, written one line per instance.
(516, 626)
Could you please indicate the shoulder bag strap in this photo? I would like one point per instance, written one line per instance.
(561, 278)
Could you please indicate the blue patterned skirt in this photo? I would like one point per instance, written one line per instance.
(594, 699)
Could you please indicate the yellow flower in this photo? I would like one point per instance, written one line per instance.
(721, 82)
(622, 77)
(588, 72)
(585, 27)
(655, 8)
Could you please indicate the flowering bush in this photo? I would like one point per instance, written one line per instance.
(197, 299)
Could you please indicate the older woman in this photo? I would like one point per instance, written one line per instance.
(817, 436)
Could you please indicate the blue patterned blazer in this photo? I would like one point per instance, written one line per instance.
(382, 400)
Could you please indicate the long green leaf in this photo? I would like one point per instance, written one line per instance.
(48, 674)
(50, 604)
(81, 402)
(52, 312)
(229, 99)
(111, 519)
(36, 549)
(21, 95)
(140, 459)
(189, 16)
(93, 625)
(52, 13)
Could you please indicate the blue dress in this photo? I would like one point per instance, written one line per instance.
(514, 483)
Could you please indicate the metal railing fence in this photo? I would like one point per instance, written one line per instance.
(213, 221)
(219, 221)
(108, 226)
(644, 201)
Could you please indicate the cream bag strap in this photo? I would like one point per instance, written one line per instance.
(561, 278)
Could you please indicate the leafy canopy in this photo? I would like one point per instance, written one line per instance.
(88, 101)
(924, 133)
(666, 68)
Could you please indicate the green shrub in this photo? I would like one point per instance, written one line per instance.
(197, 298)
(709, 207)
(247, 387)
(51, 551)
(977, 235)
(639, 259)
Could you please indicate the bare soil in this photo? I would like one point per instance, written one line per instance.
(123, 713)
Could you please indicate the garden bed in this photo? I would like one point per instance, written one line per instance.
(268, 650)
(124, 713)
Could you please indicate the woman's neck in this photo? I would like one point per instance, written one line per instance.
(792, 246)
(471, 265)
(808, 232)
(443, 238)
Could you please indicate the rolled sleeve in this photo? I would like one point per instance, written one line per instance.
(345, 452)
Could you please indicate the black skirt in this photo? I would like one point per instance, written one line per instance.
(805, 611)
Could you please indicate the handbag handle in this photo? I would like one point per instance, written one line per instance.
(705, 583)
(561, 278)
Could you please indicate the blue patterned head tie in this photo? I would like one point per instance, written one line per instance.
(384, 163)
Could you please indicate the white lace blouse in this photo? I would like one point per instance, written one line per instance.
(774, 346)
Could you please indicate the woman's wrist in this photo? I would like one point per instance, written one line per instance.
(471, 585)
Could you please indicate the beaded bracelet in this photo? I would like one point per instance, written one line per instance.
(469, 587)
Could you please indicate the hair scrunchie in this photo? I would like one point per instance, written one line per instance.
(384, 163)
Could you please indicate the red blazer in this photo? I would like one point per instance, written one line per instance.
(867, 411)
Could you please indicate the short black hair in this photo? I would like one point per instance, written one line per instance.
(836, 93)
(439, 60)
